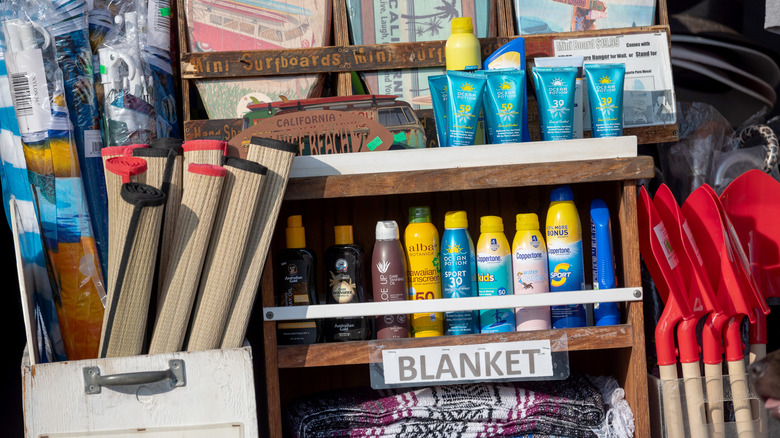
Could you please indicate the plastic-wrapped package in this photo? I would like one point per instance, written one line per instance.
(37, 90)
(128, 92)
(687, 164)
(164, 85)
(16, 186)
(74, 57)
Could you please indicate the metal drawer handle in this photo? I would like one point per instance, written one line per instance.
(94, 382)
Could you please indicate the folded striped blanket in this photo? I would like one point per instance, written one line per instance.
(572, 408)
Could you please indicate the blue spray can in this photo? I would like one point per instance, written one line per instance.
(458, 272)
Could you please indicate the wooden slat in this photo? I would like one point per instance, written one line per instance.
(257, 63)
(349, 353)
(341, 38)
(269, 344)
(445, 180)
(181, 26)
(636, 368)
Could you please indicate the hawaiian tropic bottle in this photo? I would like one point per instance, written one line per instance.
(422, 251)
(529, 266)
(564, 255)
(458, 272)
(494, 274)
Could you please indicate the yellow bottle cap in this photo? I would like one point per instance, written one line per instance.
(456, 219)
(491, 224)
(296, 233)
(461, 25)
(343, 234)
(528, 221)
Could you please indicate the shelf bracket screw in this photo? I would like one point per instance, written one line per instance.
(637, 293)
(269, 315)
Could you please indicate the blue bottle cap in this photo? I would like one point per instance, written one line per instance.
(562, 193)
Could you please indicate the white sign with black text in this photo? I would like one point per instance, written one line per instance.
(455, 363)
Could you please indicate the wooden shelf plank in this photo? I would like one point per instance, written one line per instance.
(331, 59)
(357, 352)
(444, 180)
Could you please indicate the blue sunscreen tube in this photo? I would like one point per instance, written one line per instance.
(464, 100)
(603, 261)
(605, 95)
(438, 87)
(555, 91)
(504, 105)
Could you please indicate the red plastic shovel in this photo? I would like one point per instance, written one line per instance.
(704, 304)
(752, 203)
(662, 262)
(733, 288)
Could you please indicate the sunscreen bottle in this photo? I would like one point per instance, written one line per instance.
(296, 282)
(529, 266)
(462, 50)
(603, 261)
(424, 272)
(512, 55)
(388, 273)
(494, 274)
(605, 98)
(564, 256)
(458, 272)
(344, 271)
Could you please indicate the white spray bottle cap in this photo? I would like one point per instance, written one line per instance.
(387, 230)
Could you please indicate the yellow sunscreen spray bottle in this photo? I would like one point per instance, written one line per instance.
(463, 52)
(422, 250)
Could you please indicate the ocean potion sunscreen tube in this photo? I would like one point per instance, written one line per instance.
(605, 95)
(603, 261)
(494, 274)
(504, 103)
(512, 55)
(564, 256)
(424, 276)
(555, 90)
(458, 272)
(438, 86)
(569, 61)
(529, 268)
(464, 100)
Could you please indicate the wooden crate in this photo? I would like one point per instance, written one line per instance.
(208, 394)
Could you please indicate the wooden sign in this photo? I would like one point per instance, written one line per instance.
(520, 360)
(360, 58)
(318, 132)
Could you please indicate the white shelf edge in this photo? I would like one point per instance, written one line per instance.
(463, 157)
(451, 304)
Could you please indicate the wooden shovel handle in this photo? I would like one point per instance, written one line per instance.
(672, 405)
(694, 400)
(739, 396)
(714, 383)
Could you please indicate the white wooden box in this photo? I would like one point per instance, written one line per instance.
(214, 397)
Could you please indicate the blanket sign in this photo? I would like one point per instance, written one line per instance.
(462, 363)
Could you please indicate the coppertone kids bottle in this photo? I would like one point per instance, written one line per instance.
(388, 273)
(296, 283)
(421, 240)
(458, 272)
(494, 274)
(344, 271)
(529, 267)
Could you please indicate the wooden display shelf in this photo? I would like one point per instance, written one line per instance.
(357, 352)
(452, 179)
(361, 200)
